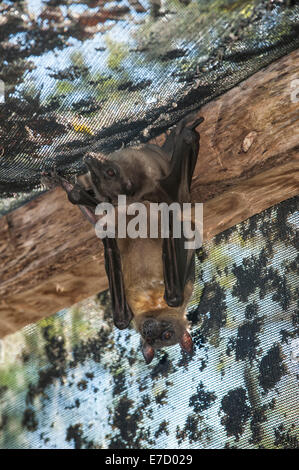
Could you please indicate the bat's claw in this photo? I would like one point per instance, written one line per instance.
(51, 180)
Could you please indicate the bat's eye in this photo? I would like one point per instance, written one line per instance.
(111, 172)
(166, 335)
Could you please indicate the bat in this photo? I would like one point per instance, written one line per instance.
(150, 279)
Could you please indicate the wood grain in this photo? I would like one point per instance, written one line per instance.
(50, 257)
(260, 111)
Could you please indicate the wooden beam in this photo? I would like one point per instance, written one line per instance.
(50, 257)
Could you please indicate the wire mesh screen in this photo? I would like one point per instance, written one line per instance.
(74, 381)
(96, 75)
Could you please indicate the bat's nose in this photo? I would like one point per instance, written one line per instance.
(93, 164)
(94, 158)
(88, 158)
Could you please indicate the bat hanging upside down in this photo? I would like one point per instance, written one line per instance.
(150, 279)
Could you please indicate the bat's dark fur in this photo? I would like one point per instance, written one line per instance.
(150, 280)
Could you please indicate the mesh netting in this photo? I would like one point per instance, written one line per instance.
(72, 380)
(97, 75)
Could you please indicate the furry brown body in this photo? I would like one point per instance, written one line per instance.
(143, 275)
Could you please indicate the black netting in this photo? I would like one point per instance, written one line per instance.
(97, 75)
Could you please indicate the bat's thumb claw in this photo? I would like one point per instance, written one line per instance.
(197, 122)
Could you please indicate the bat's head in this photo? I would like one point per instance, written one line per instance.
(131, 171)
(162, 331)
(122, 172)
(107, 176)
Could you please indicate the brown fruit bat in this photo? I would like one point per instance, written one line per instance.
(150, 280)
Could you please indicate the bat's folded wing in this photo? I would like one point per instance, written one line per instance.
(178, 262)
(122, 314)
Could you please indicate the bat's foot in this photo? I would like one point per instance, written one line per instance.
(51, 180)
(196, 123)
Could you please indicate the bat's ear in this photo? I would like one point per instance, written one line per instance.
(148, 352)
(186, 342)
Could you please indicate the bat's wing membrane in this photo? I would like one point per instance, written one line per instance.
(178, 262)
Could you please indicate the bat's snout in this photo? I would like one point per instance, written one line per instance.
(89, 160)
(92, 158)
